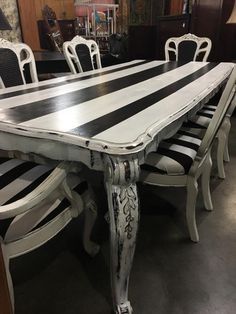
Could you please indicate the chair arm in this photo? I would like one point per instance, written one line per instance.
(39, 194)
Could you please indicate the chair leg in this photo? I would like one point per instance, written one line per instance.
(192, 192)
(222, 149)
(90, 247)
(6, 285)
(220, 153)
(227, 124)
(206, 182)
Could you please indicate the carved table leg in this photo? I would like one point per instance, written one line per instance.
(121, 175)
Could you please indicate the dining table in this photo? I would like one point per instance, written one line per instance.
(109, 120)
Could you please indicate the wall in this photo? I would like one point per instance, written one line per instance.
(10, 10)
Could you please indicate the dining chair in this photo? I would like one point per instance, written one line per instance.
(187, 48)
(52, 28)
(182, 159)
(82, 54)
(199, 123)
(36, 202)
(14, 57)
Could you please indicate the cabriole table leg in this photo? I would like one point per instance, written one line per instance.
(121, 176)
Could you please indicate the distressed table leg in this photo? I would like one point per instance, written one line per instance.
(121, 177)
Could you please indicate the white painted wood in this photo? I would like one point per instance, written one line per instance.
(192, 192)
(120, 177)
(24, 55)
(118, 151)
(23, 238)
(69, 50)
(206, 174)
(201, 164)
(203, 46)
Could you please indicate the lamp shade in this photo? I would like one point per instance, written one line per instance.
(4, 24)
(232, 18)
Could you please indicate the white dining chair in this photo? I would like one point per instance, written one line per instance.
(82, 54)
(13, 60)
(199, 123)
(180, 161)
(188, 47)
(36, 203)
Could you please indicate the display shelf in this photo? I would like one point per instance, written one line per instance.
(97, 21)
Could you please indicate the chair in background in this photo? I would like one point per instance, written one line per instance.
(179, 161)
(38, 201)
(14, 59)
(187, 48)
(199, 123)
(82, 55)
(52, 28)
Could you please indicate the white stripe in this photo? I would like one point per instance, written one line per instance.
(9, 165)
(180, 149)
(22, 224)
(169, 165)
(67, 119)
(206, 111)
(165, 111)
(21, 182)
(210, 107)
(72, 87)
(187, 138)
(63, 79)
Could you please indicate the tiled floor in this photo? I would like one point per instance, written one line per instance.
(170, 275)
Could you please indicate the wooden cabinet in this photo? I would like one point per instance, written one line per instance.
(148, 41)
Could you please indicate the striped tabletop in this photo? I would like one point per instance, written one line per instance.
(113, 108)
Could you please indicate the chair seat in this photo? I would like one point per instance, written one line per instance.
(17, 179)
(174, 156)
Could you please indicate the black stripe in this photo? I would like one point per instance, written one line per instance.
(59, 209)
(184, 160)
(29, 188)
(109, 120)
(16, 172)
(68, 81)
(193, 125)
(40, 108)
(151, 168)
(207, 108)
(4, 159)
(204, 114)
(80, 189)
(183, 143)
(6, 222)
(181, 132)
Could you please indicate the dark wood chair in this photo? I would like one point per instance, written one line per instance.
(52, 28)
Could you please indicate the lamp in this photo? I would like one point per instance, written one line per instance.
(4, 24)
(232, 18)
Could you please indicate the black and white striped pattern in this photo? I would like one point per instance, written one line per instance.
(17, 179)
(117, 107)
(174, 156)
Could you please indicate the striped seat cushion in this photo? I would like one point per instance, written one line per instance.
(202, 118)
(174, 156)
(17, 179)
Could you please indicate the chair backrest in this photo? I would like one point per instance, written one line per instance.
(221, 111)
(13, 59)
(188, 48)
(53, 28)
(81, 54)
